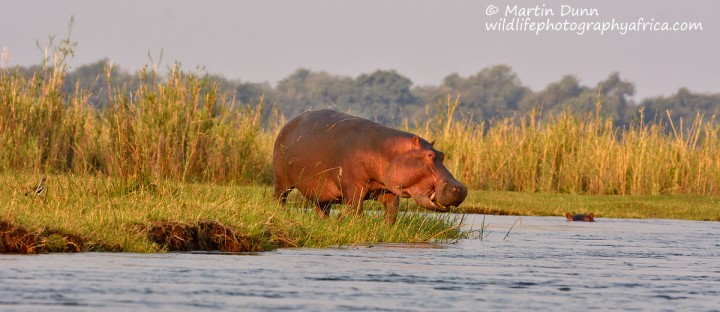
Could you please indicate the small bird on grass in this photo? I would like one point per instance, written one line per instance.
(38, 190)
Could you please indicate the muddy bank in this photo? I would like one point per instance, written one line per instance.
(17, 239)
(205, 236)
(168, 235)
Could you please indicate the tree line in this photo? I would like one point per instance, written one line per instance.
(391, 98)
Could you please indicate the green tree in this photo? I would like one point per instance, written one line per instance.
(306, 90)
(250, 93)
(93, 78)
(683, 105)
(567, 94)
(555, 97)
(493, 92)
(614, 95)
(383, 96)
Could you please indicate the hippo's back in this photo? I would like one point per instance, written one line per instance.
(312, 147)
(323, 132)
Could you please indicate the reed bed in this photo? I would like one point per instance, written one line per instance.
(579, 153)
(182, 127)
(178, 126)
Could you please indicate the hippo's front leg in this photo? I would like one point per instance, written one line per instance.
(353, 197)
(323, 209)
(355, 194)
(391, 203)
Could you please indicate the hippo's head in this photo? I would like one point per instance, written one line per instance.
(416, 170)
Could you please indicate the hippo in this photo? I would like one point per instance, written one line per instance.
(580, 217)
(332, 157)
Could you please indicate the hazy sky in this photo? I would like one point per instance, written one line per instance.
(425, 41)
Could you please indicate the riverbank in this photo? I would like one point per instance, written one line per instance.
(681, 207)
(95, 213)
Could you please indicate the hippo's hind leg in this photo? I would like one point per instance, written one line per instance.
(391, 203)
(281, 192)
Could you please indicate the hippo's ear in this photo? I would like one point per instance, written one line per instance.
(416, 141)
(432, 143)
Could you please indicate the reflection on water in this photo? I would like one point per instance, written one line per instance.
(544, 263)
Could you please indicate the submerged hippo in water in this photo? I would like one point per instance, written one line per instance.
(580, 217)
(331, 157)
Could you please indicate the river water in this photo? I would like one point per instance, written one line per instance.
(544, 263)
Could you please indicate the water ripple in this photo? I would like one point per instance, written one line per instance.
(545, 264)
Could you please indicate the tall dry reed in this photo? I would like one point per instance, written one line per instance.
(178, 126)
(576, 153)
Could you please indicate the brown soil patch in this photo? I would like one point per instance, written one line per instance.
(172, 235)
(17, 239)
(204, 235)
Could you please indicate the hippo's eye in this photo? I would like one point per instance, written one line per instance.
(430, 155)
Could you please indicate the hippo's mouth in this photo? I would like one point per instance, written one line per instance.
(430, 202)
(438, 205)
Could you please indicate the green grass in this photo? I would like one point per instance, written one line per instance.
(110, 214)
(688, 207)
